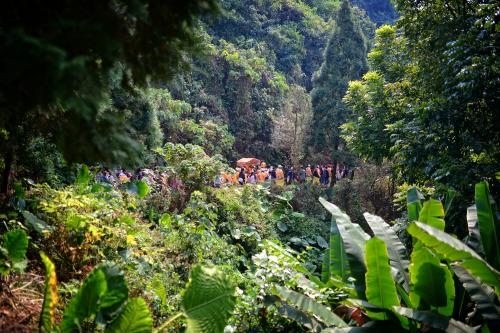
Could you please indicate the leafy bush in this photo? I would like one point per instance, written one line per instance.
(103, 303)
(13, 251)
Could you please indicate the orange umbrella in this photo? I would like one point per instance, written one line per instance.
(247, 162)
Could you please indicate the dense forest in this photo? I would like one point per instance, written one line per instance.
(250, 166)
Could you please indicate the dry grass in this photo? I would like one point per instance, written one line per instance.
(21, 298)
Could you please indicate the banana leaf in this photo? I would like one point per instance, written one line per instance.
(397, 252)
(335, 260)
(453, 250)
(308, 305)
(413, 204)
(380, 287)
(432, 282)
(484, 300)
(434, 320)
(489, 224)
(474, 238)
(432, 213)
(354, 239)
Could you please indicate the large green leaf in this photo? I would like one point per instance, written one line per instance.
(142, 188)
(432, 214)
(474, 238)
(35, 223)
(116, 293)
(434, 320)
(134, 318)
(413, 203)
(335, 260)
(398, 257)
(354, 239)
(489, 224)
(380, 287)
(102, 295)
(454, 250)
(432, 282)
(485, 301)
(85, 303)
(16, 244)
(308, 305)
(208, 300)
(47, 316)
(83, 175)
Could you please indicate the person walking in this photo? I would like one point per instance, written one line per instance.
(302, 175)
(241, 177)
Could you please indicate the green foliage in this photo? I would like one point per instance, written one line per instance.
(190, 164)
(208, 300)
(344, 60)
(13, 251)
(66, 74)
(398, 255)
(454, 250)
(101, 295)
(380, 287)
(354, 240)
(430, 79)
(489, 224)
(480, 295)
(335, 261)
(307, 305)
(432, 285)
(134, 318)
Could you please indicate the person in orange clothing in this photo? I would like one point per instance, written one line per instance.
(280, 176)
(262, 175)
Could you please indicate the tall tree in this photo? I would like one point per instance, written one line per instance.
(344, 60)
(292, 125)
(56, 60)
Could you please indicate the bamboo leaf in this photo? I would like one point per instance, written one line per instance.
(380, 287)
(398, 256)
(453, 250)
(489, 224)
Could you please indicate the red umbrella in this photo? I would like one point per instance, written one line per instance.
(247, 162)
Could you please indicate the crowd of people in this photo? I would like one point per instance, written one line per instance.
(251, 174)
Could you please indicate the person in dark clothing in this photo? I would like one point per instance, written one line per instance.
(272, 173)
(241, 176)
(290, 175)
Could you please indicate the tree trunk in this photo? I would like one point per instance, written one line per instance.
(333, 179)
(9, 159)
